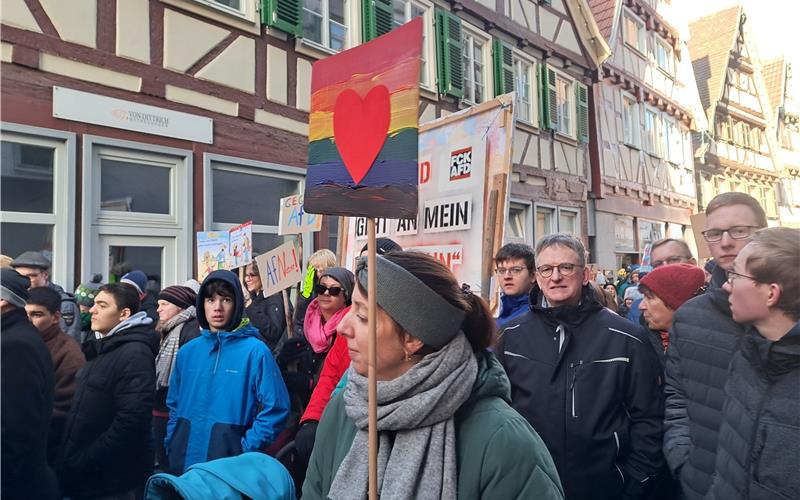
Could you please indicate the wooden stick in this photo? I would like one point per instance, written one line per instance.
(487, 255)
(372, 392)
(289, 322)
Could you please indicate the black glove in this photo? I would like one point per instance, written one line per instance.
(304, 439)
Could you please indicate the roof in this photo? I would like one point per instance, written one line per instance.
(603, 12)
(594, 42)
(711, 39)
(774, 73)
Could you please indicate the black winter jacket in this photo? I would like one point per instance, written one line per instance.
(702, 342)
(27, 403)
(267, 314)
(596, 402)
(758, 456)
(107, 446)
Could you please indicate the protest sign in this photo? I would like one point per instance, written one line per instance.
(212, 252)
(241, 247)
(363, 128)
(463, 158)
(294, 219)
(698, 226)
(279, 268)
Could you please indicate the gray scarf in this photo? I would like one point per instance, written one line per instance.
(165, 359)
(418, 408)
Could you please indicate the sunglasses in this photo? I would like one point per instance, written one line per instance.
(333, 291)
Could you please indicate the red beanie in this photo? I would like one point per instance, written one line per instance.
(674, 284)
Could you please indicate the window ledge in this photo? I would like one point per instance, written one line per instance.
(527, 127)
(655, 155)
(665, 72)
(208, 11)
(633, 146)
(429, 94)
(636, 51)
(566, 139)
(312, 49)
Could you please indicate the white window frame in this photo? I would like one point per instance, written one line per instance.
(526, 207)
(572, 211)
(470, 31)
(177, 224)
(654, 136)
(533, 104)
(668, 65)
(673, 140)
(553, 218)
(640, 44)
(631, 123)
(250, 167)
(352, 19)
(63, 217)
(249, 10)
(571, 126)
(427, 75)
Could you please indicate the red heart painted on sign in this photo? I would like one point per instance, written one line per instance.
(360, 127)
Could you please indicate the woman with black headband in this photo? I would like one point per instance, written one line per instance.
(445, 426)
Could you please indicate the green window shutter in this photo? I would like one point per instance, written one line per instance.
(376, 18)
(449, 67)
(285, 15)
(544, 106)
(552, 99)
(582, 111)
(503, 65)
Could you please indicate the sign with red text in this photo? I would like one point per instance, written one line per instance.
(279, 268)
(461, 159)
(294, 219)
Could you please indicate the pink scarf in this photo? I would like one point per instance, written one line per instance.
(320, 335)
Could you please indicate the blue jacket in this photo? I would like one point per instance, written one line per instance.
(226, 395)
(253, 475)
(511, 306)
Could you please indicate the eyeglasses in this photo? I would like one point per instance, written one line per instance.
(735, 232)
(514, 271)
(333, 291)
(565, 269)
(251, 275)
(675, 259)
(733, 276)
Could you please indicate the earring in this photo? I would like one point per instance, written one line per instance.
(407, 356)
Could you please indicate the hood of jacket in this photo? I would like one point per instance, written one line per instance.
(775, 358)
(491, 381)
(571, 316)
(238, 299)
(139, 319)
(137, 328)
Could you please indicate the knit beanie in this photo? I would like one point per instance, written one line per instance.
(14, 287)
(86, 292)
(345, 278)
(674, 284)
(182, 296)
(136, 278)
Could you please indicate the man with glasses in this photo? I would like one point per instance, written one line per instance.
(703, 339)
(586, 380)
(514, 269)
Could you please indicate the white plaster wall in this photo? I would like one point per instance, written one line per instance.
(133, 29)
(75, 20)
(186, 40)
(276, 75)
(15, 13)
(234, 67)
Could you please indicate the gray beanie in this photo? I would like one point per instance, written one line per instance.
(345, 278)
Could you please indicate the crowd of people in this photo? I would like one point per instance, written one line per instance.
(663, 382)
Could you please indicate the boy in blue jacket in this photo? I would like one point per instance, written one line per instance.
(226, 395)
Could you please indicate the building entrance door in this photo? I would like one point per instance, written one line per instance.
(152, 254)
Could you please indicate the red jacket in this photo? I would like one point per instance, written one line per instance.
(336, 363)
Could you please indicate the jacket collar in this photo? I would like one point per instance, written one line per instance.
(138, 319)
(571, 316)
(775, 358)
(51, 332)
(512, 303)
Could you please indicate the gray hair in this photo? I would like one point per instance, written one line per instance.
(684, 246)
(562, 240)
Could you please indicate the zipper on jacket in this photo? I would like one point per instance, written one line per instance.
(616, 440)
(219, 350)
(574, 367)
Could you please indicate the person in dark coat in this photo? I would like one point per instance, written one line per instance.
(703, 339)
(586, 379)
(27, 397)
(177, 324)
(44, 312)
(84, 297)
(265, 313)
(147, 302)
(107, 450)
(758, 456)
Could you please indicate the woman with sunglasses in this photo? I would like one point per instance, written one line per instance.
(445, 426)
(265, 313)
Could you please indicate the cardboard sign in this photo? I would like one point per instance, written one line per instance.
(461, 158)
(363, 128)
(294, 219)
(698, 226)
(241, 247)
(212, 252)
(279, 268)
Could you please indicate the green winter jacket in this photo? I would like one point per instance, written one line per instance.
(499, 453)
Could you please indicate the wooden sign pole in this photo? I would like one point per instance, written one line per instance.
(372, 392)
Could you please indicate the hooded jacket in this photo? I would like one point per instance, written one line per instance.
(107, 447)
(27, 402)
(702, 342)
(758, 456)
(589, 383)
(511, 307)
(226, 395)
(499, 455)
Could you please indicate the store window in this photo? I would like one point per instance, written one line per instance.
(325, 23)
(36, 192)
(128, 186)
(240, 190)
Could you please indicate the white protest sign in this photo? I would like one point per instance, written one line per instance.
(294, 219)
(279, 268)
